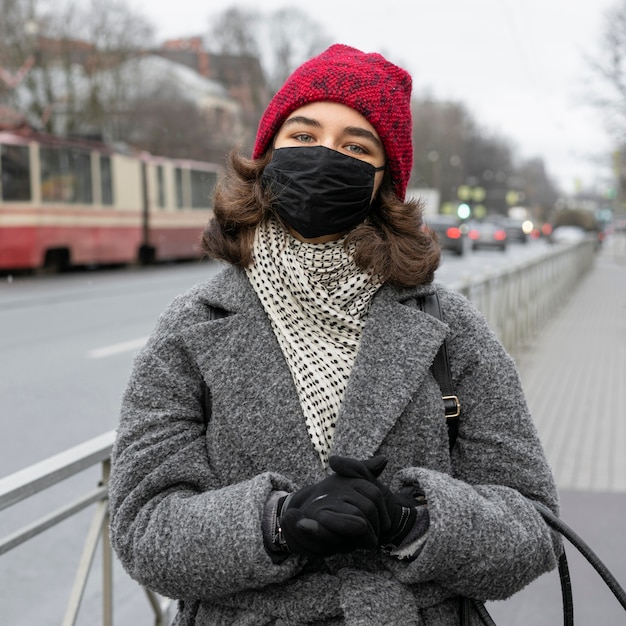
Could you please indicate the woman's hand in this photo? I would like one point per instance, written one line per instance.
(341, 513)
(401, 507)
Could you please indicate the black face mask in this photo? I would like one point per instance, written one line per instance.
(319, 191)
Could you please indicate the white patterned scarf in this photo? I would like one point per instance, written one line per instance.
(317, 300)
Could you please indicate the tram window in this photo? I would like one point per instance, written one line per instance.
(180, 202)
(202, 185)
(160, 187)
(15, 170)
(65, 176)
(106, 180)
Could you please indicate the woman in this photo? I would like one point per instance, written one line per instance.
(321, 489)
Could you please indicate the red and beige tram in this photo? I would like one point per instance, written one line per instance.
(66, 202)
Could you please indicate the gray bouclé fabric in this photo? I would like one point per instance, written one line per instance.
(187, 504)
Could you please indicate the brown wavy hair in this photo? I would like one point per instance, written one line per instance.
(391, 243)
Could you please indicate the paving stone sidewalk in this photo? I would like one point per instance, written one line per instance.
(574, 375)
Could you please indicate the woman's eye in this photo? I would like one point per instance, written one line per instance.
(303, 138)
(356, 149)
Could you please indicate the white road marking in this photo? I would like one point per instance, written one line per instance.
(117, 348)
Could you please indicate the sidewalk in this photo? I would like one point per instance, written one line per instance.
(574, 375)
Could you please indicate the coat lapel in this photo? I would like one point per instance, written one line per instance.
(250, 383)
(398, 346)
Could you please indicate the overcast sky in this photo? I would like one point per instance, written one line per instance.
(518, 65)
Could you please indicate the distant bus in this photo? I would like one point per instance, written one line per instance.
(69, 202)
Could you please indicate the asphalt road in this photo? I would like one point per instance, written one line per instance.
(56, 382)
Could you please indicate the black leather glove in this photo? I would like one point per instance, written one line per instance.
(401, 506)
(338, 514)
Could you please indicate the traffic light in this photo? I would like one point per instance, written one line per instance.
(464, 210)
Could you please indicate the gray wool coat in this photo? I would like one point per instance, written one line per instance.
(187, 504)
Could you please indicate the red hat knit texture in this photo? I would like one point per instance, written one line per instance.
(366, 82)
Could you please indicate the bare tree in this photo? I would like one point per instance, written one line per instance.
(114, 33)
(68, 46)
(176, 113)
(176, 129)
(17, 46)
(279, 41)
(452, 151)
(234, 32)
(440, 130)
(540, 191)
(235, 40)
(293, 38)
(282, 39)
(609, 67)
(490, 167)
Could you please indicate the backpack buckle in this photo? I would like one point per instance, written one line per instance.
(452, 406)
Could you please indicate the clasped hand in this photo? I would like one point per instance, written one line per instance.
(348, 510)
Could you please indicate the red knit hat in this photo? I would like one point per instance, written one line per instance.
(368, 83)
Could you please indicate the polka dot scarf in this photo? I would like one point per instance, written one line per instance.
(317, 300)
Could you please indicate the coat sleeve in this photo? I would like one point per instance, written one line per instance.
(486, 540)
(175, 529)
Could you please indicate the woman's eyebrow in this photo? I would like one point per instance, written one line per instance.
(300, 119)
(356, 131)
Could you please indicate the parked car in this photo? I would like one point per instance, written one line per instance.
(447, 228)
(517, 231)
(487, 234)
(567, 234)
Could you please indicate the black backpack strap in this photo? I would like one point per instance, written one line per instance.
(214, 314)
(441, 371)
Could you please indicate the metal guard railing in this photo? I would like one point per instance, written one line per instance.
(44, 475)
(517, 302)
